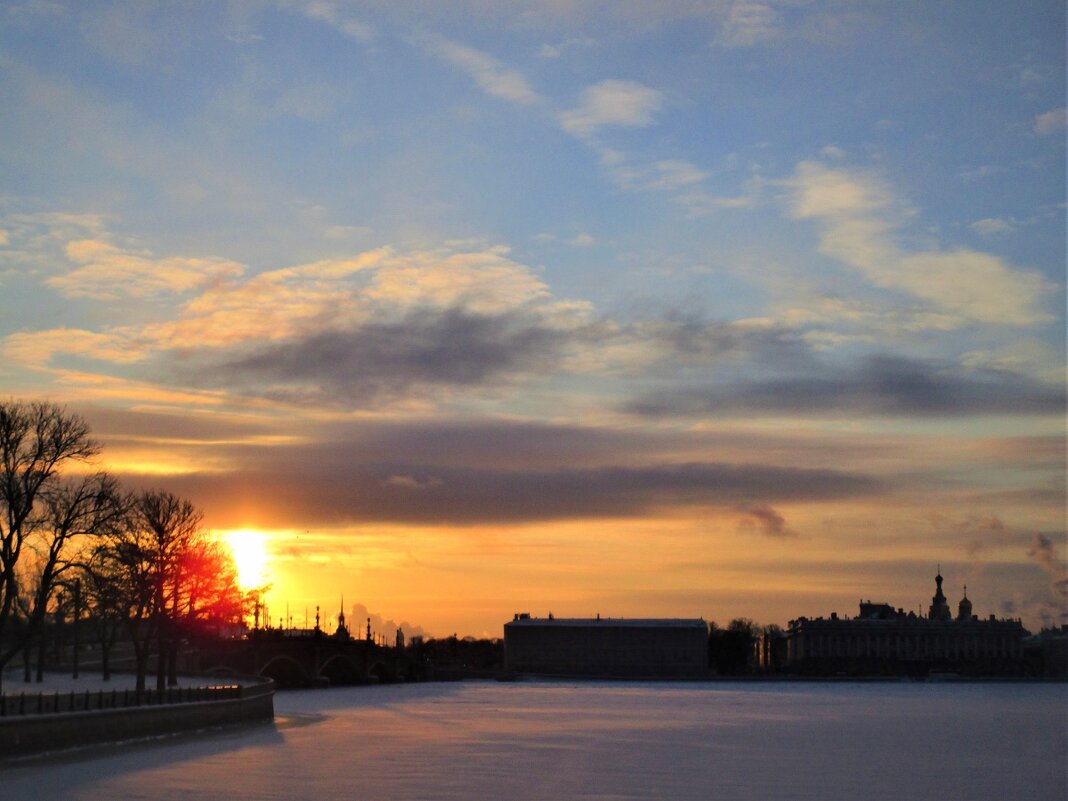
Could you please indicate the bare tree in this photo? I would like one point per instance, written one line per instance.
(164, 576)
(205, 595)
(101, 588)
(124, 566)
(139, 560)
(36, 441)
(73, 511)
(730, 650)
(172, 524)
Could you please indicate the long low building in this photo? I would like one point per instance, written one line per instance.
(601, 646)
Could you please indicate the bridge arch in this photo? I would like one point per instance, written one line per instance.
(286, 672)
(381, 673)
(341, 670)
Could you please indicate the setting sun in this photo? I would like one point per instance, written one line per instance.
(250, 555)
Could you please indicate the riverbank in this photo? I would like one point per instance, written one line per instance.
(61, 712)
(457, 674)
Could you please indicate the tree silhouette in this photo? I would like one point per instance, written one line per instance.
(163, 576)
(730, 650)
(39, 515)
(102, 594)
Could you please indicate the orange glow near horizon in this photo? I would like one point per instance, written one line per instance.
(249, 549)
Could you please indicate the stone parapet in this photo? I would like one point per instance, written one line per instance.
(37, 733)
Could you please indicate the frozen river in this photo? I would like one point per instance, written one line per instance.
(562, 740)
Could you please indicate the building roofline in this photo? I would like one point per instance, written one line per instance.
(609, 622)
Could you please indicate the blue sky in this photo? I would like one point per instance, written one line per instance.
(781, 283)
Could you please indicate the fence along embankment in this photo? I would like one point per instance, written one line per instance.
(40, 722)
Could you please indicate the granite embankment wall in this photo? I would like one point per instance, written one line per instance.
(30, 734)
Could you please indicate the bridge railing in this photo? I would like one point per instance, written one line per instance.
(51, 703)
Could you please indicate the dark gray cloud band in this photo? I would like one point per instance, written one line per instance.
(877, 386)
(307, 486)
(380, 360)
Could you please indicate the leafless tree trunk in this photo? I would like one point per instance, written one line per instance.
(141, 560)
(36, 441)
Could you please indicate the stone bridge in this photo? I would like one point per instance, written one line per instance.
(309, 659)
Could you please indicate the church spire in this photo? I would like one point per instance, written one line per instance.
(342, 629)
(939, 609)
(964, 608)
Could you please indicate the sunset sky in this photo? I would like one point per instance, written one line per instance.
(665, 309)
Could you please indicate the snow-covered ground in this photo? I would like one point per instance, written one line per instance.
(562, 740)
(91, 680)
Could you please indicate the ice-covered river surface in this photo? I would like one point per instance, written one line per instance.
(600, 740)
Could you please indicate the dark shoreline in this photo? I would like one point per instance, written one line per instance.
(775, 679)
(30, 734)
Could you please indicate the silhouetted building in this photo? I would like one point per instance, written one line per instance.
(939, 609)
(342, 632)
(606, 646)
(771, 651)
(884, 640)
(1047, 652)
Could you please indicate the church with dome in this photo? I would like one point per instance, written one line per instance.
(882, 640)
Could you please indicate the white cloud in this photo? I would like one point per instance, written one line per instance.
(832, 321)
(1052, 121)
(977, 286)
(992, 225)
(43, 229)
(491, 75)
(858, 220)
(683, 181)
(702, 204)
(1030, 357)
(110, 272)
(605, 104)
(583, 240)
(675, 175)
(1030, 75)
(623, 103)
(557, 50)
(823, 192)
(34, 349)
(378, 285)
(339, 17)
(748, 23)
